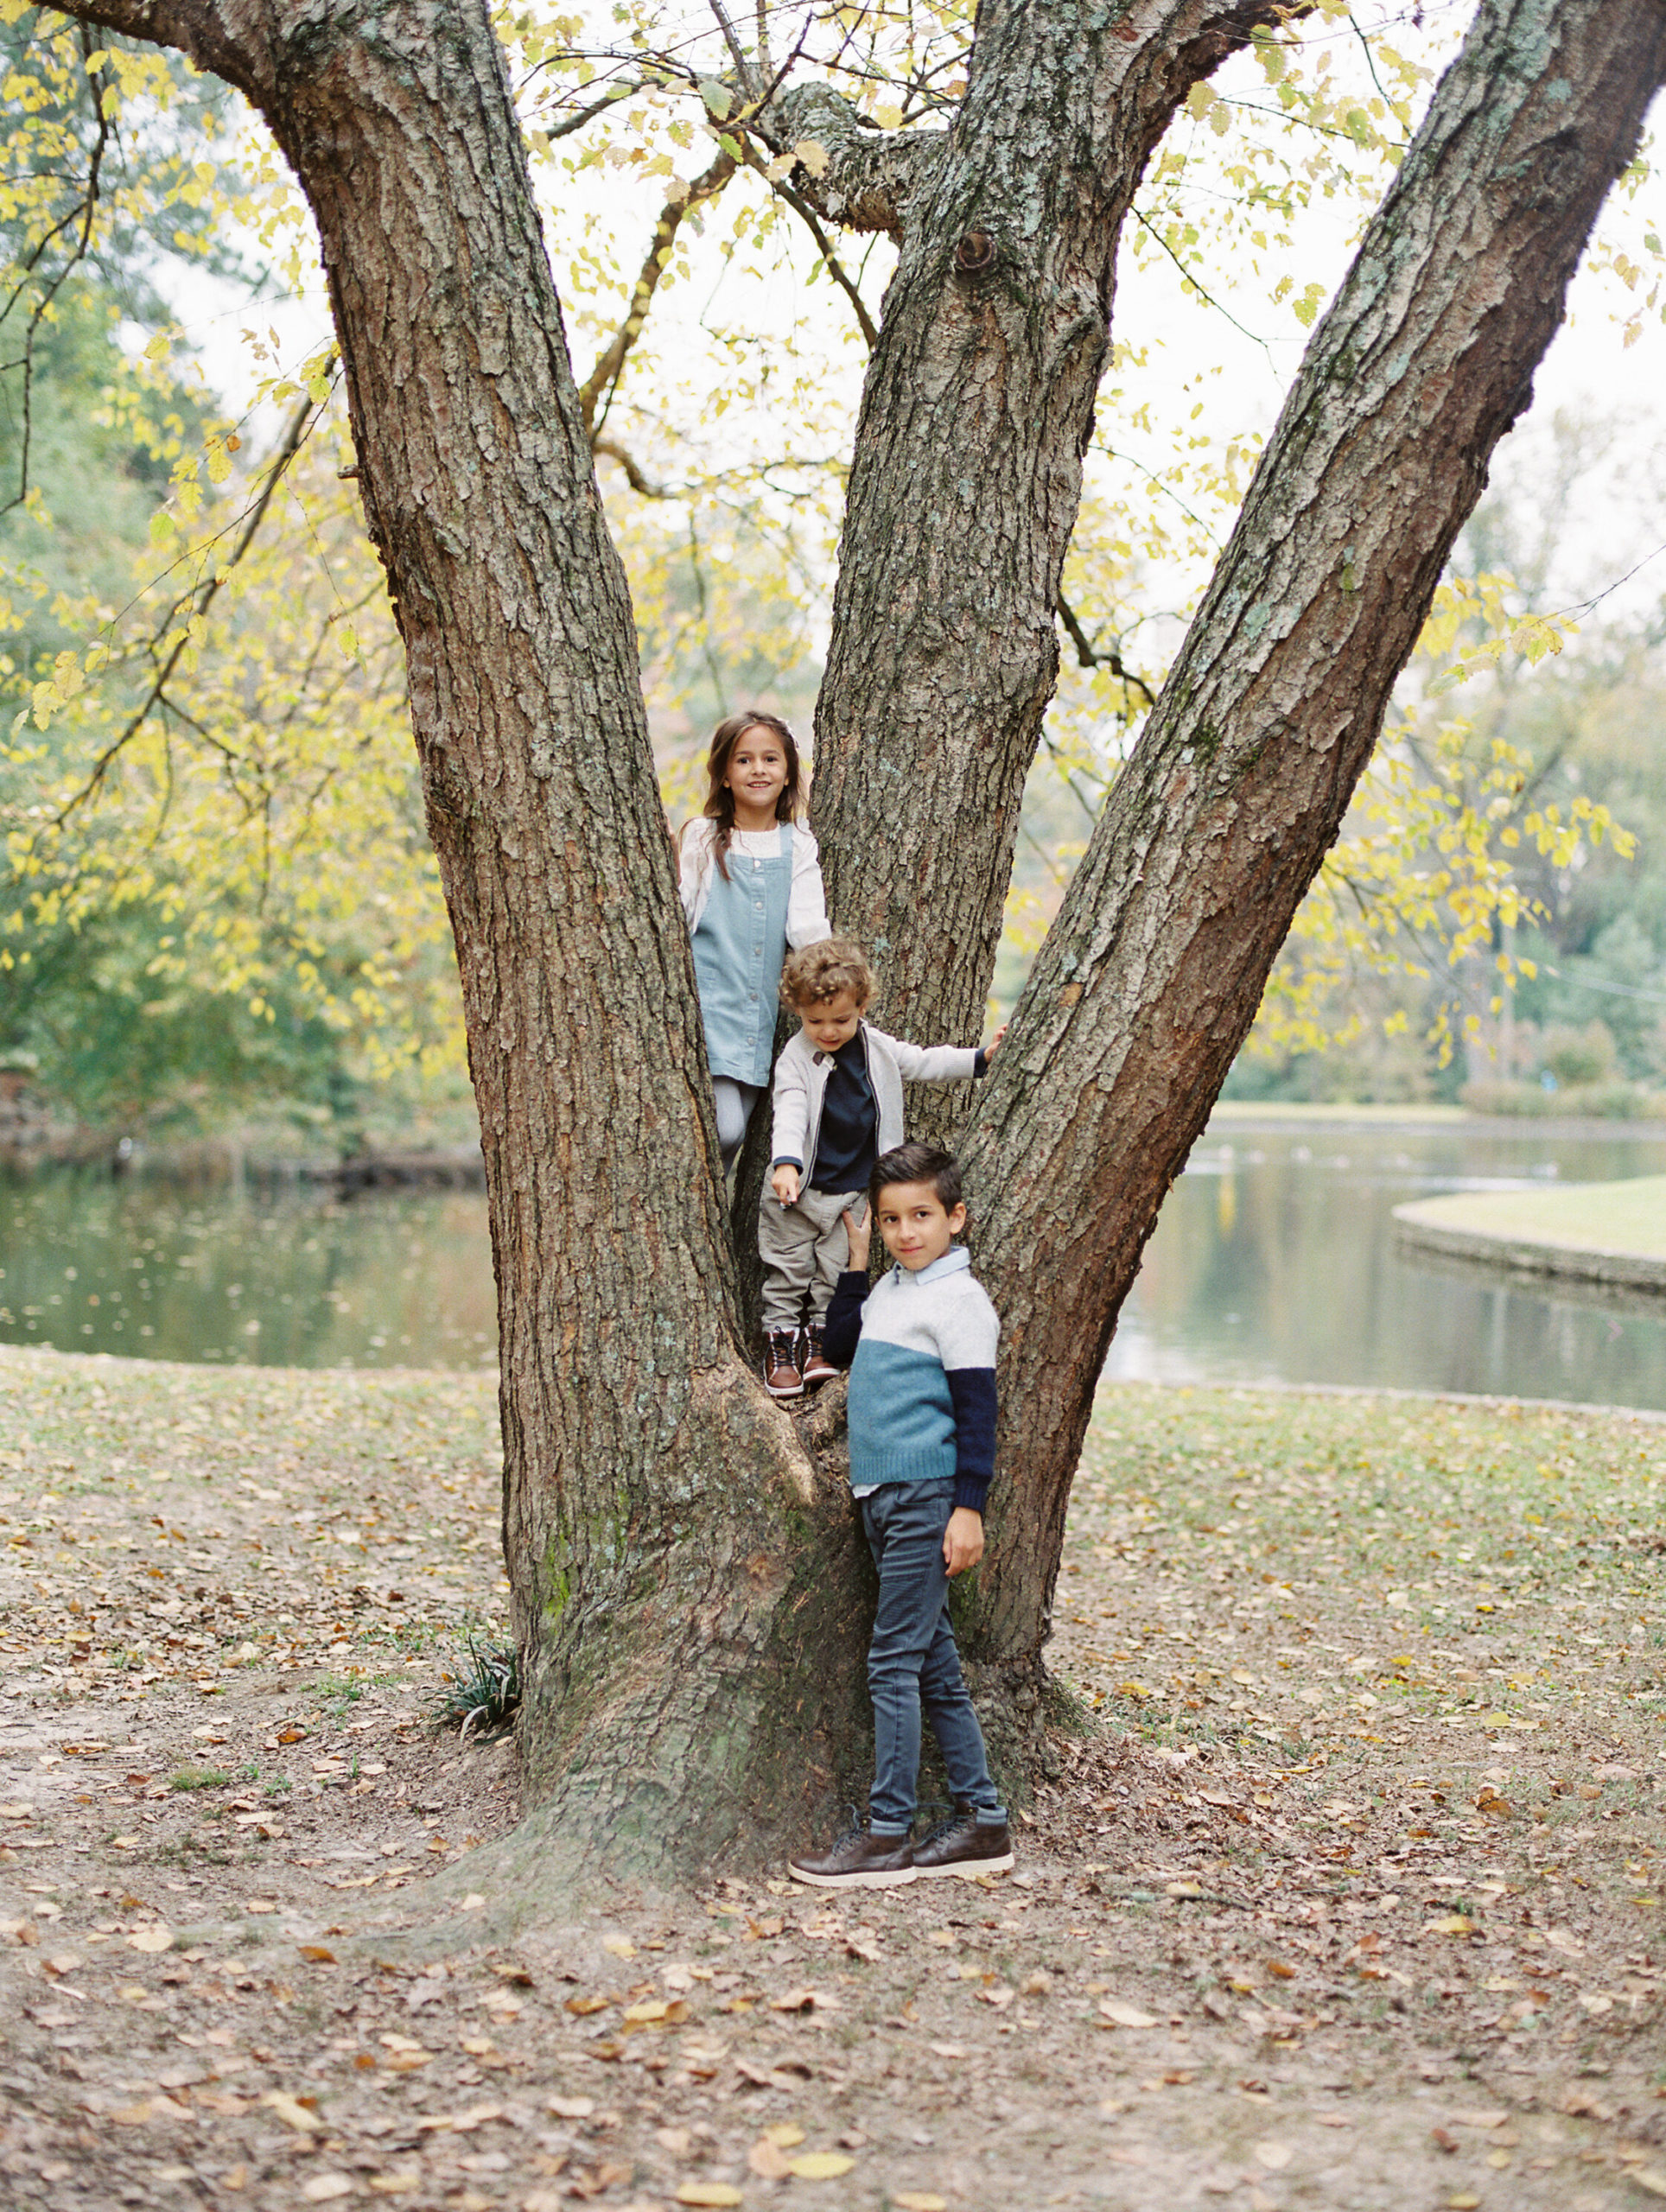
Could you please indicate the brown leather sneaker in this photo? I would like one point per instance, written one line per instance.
(965, 1846)
(818, 1367)
(859, 1860)
(781, 1375)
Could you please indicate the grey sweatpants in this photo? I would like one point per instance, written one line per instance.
(805, 1249)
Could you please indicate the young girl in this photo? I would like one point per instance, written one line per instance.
(751, 886)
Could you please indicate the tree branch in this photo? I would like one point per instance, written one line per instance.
(294, 437)
(633, 476)
(232, 39)
(606, 373)
(836, 268)
(1089, 655)
(869, 175)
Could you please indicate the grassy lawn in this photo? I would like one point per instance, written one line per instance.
(1629, 1216)
(1353, 1902)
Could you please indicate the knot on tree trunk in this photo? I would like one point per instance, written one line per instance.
(974, 254)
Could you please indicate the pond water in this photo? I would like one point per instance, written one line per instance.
(1274, 1261)
(223, 1272)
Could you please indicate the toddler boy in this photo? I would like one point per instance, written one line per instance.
(838, 1105)
(921, 1353)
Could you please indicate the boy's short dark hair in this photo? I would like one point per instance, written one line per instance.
(918, 1163)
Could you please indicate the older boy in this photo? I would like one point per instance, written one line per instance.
(838, 1105)
(922, 1410)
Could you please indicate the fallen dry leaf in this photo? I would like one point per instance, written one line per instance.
(819, 2165)
(289, 2109)
(804, 2000)
(918, 2200)
(1478, 2119)
(708, 2192)
(571, 2108)
(1273, 2156)
(152, 1940)
(1118, 2014)
(324, 2189)
(317, 1955)
(768, 2162)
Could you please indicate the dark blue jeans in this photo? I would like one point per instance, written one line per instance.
(912, 1661)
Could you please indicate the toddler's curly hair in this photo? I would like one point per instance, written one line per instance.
(821, 971)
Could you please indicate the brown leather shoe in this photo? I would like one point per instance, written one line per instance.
(965, 1846)
(817, 1367)
(781, 1376)
(859, 1860)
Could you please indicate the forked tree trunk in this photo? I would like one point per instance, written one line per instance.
(1152, 973)
(686, 1585)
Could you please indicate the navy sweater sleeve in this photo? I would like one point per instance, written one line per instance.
(972, 1389)
(844, 1324)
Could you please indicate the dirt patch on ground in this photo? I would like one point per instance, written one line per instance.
(1353, 1905)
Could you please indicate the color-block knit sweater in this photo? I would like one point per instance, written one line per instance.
(921, 1355)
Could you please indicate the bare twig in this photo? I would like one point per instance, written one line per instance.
(835, 267)
(89, 202)
(294, 438)
(737, 52)
(1089, 655)
(633, 476)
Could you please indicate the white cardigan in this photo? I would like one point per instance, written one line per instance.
(806, 906)
(800, 1084)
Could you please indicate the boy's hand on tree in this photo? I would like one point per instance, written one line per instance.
(857, 1225)
(962, 1540)
(994, 1044)
(785, 1183)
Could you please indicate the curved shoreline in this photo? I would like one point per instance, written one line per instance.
(1429, 1225)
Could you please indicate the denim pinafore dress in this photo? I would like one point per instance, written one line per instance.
(739, 948)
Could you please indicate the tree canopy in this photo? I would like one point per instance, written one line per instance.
(726, 324)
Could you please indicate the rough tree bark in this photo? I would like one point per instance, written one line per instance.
(966, 479)
(685, 1583)
(1152, 973)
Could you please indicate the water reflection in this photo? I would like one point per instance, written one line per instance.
(223, 1273)
(1275, 1260)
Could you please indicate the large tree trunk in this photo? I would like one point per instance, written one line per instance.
(682, 1577)
(1151, 976)
(966, 475)
(688, 1591)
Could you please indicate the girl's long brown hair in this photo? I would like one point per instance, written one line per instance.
(720, 799)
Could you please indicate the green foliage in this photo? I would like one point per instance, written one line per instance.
(219, 886)
(483, 1689)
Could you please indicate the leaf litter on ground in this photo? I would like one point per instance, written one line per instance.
(1360, 1869)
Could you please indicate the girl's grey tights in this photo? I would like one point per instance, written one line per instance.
(735, 1104)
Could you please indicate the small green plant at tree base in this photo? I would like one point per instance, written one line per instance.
(200, 1777)
(483, 1689)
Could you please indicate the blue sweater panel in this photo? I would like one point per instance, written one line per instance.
(921, 1352)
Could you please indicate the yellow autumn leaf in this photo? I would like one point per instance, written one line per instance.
(708, 2192)
(820, 2165)
(289, 2109)
(918, 2200)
